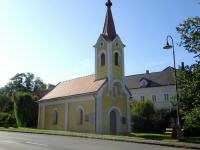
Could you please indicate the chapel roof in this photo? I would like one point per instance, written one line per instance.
(75, 87)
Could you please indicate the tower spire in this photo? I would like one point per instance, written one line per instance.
(109, 31)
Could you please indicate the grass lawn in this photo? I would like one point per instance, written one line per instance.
(166, 137)
(134, 136)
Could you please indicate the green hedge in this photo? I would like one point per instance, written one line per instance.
(146, 119)
(26, 110)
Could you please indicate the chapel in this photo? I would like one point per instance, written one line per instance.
(96, 103)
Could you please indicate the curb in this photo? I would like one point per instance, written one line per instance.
(149, 142)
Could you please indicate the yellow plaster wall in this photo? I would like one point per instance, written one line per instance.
(109, 102)
(40, 117)
(117, 70)
(89, 107)
(49, 117)
(102, 71)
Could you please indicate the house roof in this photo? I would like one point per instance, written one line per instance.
(163, 78)
(78, 86)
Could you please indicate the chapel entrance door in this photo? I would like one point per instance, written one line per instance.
(113, 122)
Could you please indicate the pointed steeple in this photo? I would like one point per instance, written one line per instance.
(109, 31)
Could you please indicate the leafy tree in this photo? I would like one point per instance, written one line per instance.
(24, 89)
(189, 76)
(192, 122)
(146, 119)
(6, 105)
(189, 32)
(26, 109)
(189, 84)
(25, 82)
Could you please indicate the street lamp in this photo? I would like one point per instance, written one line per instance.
(168, 46)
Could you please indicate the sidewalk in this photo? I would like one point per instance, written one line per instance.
(105, 137)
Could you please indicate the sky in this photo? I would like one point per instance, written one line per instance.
(54, 38)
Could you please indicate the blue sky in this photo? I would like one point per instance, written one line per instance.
(54, 38)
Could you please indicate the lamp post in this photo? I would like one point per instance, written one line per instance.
(168, 46)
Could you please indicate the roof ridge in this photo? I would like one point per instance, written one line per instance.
(77, 78)
(150, 72)
(144, 74)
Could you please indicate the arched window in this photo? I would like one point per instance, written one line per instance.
(116, 59)
(80, 116)
(103, 59)
(55, 117)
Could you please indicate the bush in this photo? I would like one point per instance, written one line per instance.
(7, 119)
(146, 119)
(6, 105)
(26, 110)
(192, 123)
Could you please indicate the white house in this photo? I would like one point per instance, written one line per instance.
(157, 86)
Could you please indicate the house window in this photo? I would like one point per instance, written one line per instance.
(116, 59)
(103, 59)
(142, 98)
(154, 98)
(116, 90)
(80, 116)
(55, 117)
(166, 97)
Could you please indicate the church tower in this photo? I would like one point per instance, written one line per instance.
(109, 52)
(113, 108)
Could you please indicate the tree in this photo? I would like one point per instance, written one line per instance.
(6, 105)
(189, 76)
(189, 32)
(189, 84)
(146, 119)
(26, 109)
(24, 89)
(192, 122)
(25, 82)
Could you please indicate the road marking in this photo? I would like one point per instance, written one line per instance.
(38, 144)
(7, 141)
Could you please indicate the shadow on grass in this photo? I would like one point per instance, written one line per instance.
(152, 136)
(165, 137)
(195, 140)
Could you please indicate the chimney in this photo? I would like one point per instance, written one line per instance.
(182, 66)
(147, 71)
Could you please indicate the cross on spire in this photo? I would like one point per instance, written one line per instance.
(109, 31)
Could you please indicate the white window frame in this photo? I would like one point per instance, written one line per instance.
(142, 98)
(80, 119)
(55, 116)
(166, 97)
(154, 98)
(102, 52)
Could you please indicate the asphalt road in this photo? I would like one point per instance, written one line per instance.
(26, 141)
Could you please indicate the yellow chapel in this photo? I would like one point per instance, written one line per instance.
(96, 103)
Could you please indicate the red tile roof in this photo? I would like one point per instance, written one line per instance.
(78, 86)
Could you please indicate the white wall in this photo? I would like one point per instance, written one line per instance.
(159, 92)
